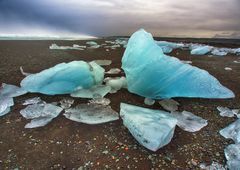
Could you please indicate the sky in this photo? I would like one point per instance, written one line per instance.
(166, 18)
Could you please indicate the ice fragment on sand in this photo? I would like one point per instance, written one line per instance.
(41, 114)
(5, 105)
(102, 101)
(238, 62)
(228, 68)
(99, 90)
(56, 47)
(201, 50)
(226, 112)
(151, 128)
(91, 113)
(215, 166)
(152, 74)
(232, 131)
(113, 71)
(232, 154)
(23, 72)
(116, 83)
(218, 52)
(149, 101)
(64, 78)
(103, 62)
(169, 104)
(186, 62)
(189, 122)
(92, 44)
(34, 100)
(66, 103)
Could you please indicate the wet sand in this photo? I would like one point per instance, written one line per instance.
(64, 144)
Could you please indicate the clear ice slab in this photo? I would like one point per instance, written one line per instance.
(189, 122)
(232, 154)
(64, 78)
(91, 113)
(152, 74)
(93, 92)
(151, 128)
(232, 131)
(40, 114)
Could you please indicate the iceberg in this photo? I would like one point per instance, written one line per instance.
(91, 113)
(93, 92)
(232, 131)
(189, 122)
(41, 114)
(64, 78)
(151, 128)
(152, 74)
(201, 50)
(232, 154)
(169, 104)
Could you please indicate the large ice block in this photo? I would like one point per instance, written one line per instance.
(151, 128)
(152, 74)
(64, 78)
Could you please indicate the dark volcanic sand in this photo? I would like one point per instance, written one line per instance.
(64, 144)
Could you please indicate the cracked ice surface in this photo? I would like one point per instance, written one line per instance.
(232, 154)
(91, 113)
(232, 131)
(151, 128)
(189, 122)
(64, 78)
(41, 114)
(152, 74)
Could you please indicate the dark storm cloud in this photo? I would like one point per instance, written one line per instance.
(122, 17)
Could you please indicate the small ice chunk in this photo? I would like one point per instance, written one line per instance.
(228, 68)
(79, 46)
(5, 105)
(41, 114)
(66, 103)
(232, 154)
(189, 122)
(113, 71)
(91, 43)
(56, 47)
(169, 104)
(235, 61)
(151, 128)
(218, 52)
(24, 73)
(102, 101)
(33, 100)
(103, 62)
(99, 90)
(116, 83)
(215, 166)
(226, 112)
(201, 50)
(232, 131)
(64, 78)
(91, 113)
(186, 62)
(149, 101)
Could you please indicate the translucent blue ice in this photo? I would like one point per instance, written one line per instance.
(152, 74)
(64, 78)
(201, 50)
(151, 128)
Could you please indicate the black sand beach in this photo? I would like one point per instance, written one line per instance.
(64, 144)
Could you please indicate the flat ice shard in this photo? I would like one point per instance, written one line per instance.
(101, 101)
(226, 112)
(152, 74)
(103, 62)
(64, 78)
(41, 114)
(232, 154)
(113, 71)
(33, 100)
(91, 113)
(228, 68)
(66, 103)
(149, 101)
(56, 47)
(116, 83)
(201, 50)
(5, 105)
(93, 92)
(151, 128)
(169, 104)
(232, 131)
(189, 122)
